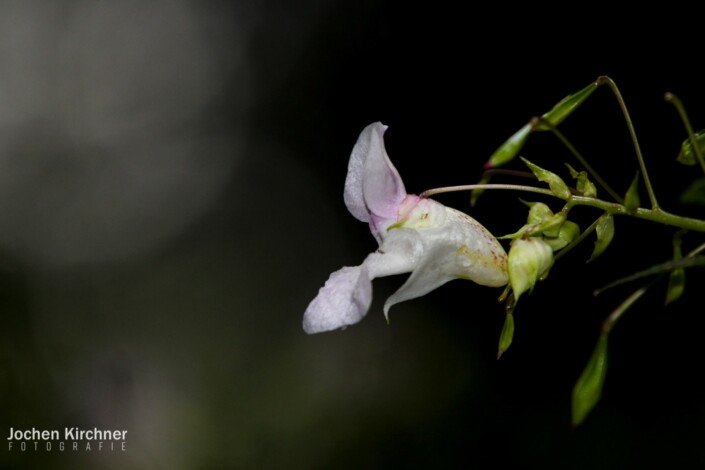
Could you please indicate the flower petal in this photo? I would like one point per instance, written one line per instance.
(344, 300)
(372, 185)
(459, 248)
(346, 297)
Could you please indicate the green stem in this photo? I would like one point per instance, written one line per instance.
(675, 101)
(653, 215)
(578, 156)
(613, 86)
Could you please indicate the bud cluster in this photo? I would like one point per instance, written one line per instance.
(531, 253)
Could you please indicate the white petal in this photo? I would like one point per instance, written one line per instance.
(459, 248)
(372, 185)
(400, 252)
(346, 297)
(344, 300)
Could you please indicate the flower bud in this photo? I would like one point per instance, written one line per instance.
(568, 232)
(585, 186)
(538, 212)
(528, 260)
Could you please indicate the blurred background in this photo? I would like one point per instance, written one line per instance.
(171, 178)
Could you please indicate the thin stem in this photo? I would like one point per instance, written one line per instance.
(610, 321)
(653, 215)
(577, 241)
(617, 313)
(613, 86)
(470, 187)
(675, 101)
(666, 267)
(696, 251)
(578, 156)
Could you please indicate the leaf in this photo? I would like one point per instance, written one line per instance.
(566, 106)
(695, 193)
(605, 232)
(588, 388)
(631, 199)
(687, 156)
(510, 148)
(558, 187)
(507, 335)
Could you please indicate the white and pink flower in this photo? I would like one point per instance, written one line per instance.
(420, 236)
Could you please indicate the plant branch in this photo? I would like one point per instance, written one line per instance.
(578, 156)
(604, 80)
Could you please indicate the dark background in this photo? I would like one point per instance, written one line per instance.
(171, 182)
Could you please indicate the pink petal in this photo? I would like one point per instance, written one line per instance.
(373, 185)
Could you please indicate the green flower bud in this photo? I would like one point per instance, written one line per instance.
(528, 259)
(552, 225)
(687, 156)
(542, 220)
(538, 212)
(585, 186)
(569, 231)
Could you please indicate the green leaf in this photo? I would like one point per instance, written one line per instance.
(687, 156)
(588, 388)
(567, 105)
(695, 193)
(605, 233)
(507, 335)
(676, 280)
(558, 187)
(585, 186)
(631, 199)
(510, 148)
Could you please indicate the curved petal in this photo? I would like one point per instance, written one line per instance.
(344, 300)
(372, 185)
(346, 297)
(459, 248)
